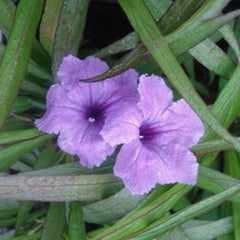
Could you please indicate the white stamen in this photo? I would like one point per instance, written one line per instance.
(141, 137)
(91, 120)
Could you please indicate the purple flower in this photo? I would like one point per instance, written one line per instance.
(77, 111)
(157, 134)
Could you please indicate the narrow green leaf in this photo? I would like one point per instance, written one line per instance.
(120, 204)
(215, 182)
(140, 219)
(179, 45)
(18, 135)
(158, 7)
(212, 146)
(15, 61)
(8, 209)
(49, 24)
(69, 168)
(8, 10)
(229, 36)
(213, 58)
(55, 222)
(7, 15)
(33, 89)
(76, 222)
(33, 68)
(226, 109)
(47, 158)
(178, 12)
(69, 32)
(200, 230)
(10, 155)
(233, 164)
(166, 224)
(150, 35)
(58, 188)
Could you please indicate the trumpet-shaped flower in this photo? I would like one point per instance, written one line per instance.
(157, 134)
(77, 111)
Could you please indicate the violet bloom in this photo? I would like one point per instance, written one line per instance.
(77, 111)
(157, 134)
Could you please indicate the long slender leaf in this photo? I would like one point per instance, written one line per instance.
(55, 222)
(226, 109)
(179, 45)
(202, 230)
(76, 222)
(141, 20)
(18, 135)
(15, 61)
(69, 32)
(164, 225)
(47, 158)
(111, 208)
(49, 24)
(233, 164)
(140, 219)
(213, 58)
(58, 188)
(8, 10)
(10, 155)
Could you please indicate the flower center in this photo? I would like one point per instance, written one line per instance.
(94, 114)
(148, 132)
(91, 120)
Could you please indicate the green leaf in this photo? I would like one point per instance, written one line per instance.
(11, 154)
(33, 68)
(69, 168)
(178, 12)
(47, 158)
(229, 36)
(179, 45)
(7, 15)
(8, 10)
(55, 222)
(69, 32)
(213, 58)
(233, 164)
(148, 213)
(18, 135)
(58, 188)
(49, 24)
(16, 57)
(168, 223)
(215, 182)
(150, 35)
(158, 7)
(199, 230)
(76, 222)
(212, 146)
(120, 204)
(8, 209)
(226, 109)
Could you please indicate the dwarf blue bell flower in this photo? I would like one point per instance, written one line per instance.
(157, 134)
(77, 111)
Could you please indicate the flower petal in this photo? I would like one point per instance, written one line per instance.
(61, 112)
(177, 165)
(73, 69)
(85, 141)
(181, 125)
(155, 96)
(119, 91)
(123, 126)
(138, 167)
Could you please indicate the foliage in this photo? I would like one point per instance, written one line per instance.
(47, 194)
